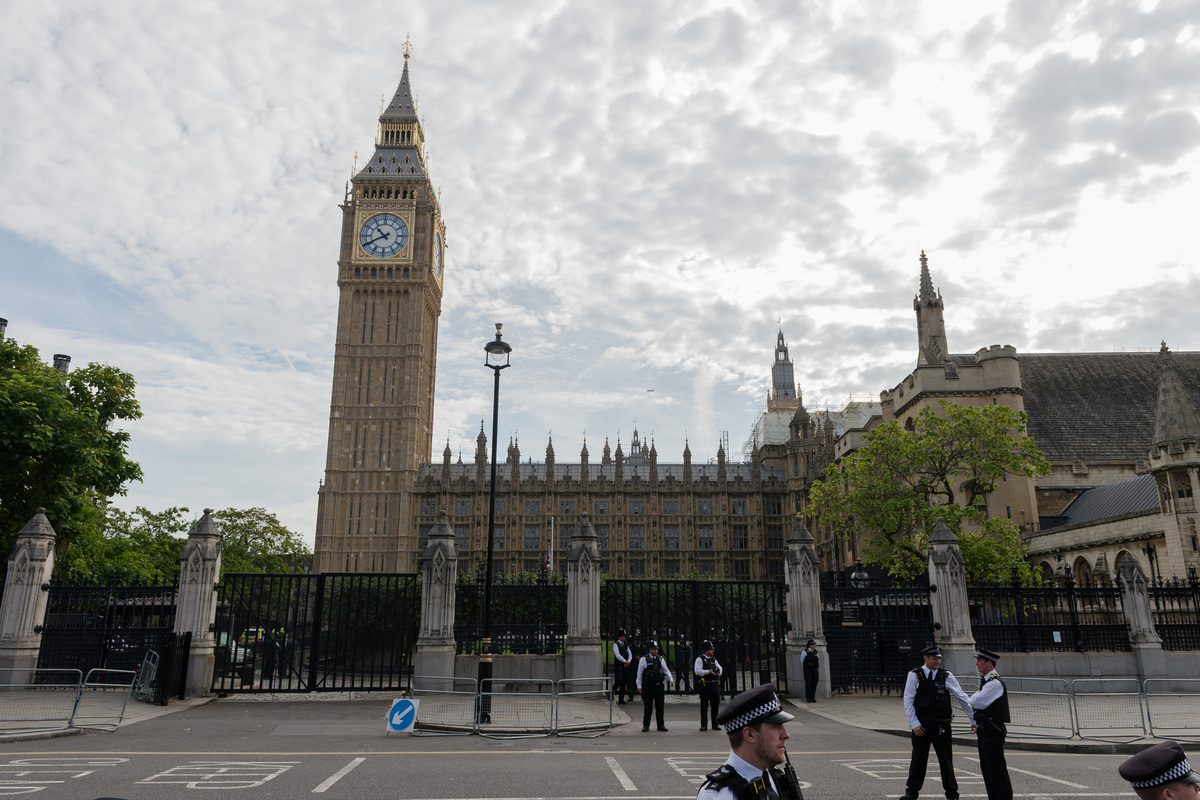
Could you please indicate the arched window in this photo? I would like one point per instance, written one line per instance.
(1083, 572)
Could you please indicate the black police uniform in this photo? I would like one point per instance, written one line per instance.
(622, 685)
(708, 685)
(811, 666)
(931, 706)
(991, 728)
(652, 678)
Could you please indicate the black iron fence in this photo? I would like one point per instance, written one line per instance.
(745, 621)
(108, 627)
(305, 633)
(874, 635)
(525, 618)
(1176, 608)
(1018, 618)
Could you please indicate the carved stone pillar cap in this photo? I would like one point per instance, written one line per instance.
(38, 526)
(942, 534)
(205, 526)
(799, 532)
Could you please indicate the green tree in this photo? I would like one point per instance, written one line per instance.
(892, 490)
(134, 547)
(256, 541)
(58, 446)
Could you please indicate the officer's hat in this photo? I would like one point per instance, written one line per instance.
(1158, 765)
(706, 645)
(810, 641)
(652, 645)
(932, 650)
(759, 704)
(621, 632)
(986, 655)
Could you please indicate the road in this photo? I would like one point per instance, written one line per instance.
(339, 751)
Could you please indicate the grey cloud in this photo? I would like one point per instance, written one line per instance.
(869, 59)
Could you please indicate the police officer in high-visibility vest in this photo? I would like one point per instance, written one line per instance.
(927, 693)
(991, 714)
(652, 677)
(708, 684)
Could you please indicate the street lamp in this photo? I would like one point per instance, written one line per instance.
(1152, 556)
(497, 358)
(859, 579)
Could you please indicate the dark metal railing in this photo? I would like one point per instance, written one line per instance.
(525, 618)
(1065, 617)
(874, 635)
(111, 627)
(1175, 605)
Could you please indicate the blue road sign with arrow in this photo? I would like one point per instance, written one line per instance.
(402, 715)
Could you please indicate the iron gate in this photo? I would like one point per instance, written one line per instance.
(110, 627)
(305, 633)
(745, 620)
(874, 635)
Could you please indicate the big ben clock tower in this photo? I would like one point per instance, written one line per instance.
(390, 269)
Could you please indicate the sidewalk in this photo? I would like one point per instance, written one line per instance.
(885, 714)
(135, 711)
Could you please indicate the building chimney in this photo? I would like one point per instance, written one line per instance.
(62, 363)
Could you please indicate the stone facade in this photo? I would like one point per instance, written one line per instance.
(390, 270)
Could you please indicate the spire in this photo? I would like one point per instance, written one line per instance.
(402, 108)
(932, 349)
(400, 139)
(583, 453)
(782, 396)
(927, 296)
(446, 452)
(606, 455)
(550, 448)
(1175, 419)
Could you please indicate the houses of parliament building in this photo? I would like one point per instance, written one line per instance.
(1121, 432)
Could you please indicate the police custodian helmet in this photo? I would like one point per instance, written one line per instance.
(759, 704)
(1157, 766)
(706, 645)
(652, 645)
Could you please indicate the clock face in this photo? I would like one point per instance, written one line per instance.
(437, 255)
(383, 235)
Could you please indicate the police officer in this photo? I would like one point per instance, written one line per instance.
(708, 681)
(1161, 772)
(622, 665)
(927, 693)
(991, 714)
(810, 665)
(754, 721)
(652, 678)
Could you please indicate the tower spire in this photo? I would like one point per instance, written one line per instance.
(1175, 420)
(932, 349)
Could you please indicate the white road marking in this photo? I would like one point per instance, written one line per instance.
(1040, 775)
(626, 784)
(337, 776)
(222, 774)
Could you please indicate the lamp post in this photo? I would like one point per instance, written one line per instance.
(1152, 557)
(497, 358)
(860, 578)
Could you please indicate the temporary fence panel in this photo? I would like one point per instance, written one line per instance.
(744, 620)
(583, 707)
(874, 635)
(1040, 707)
(38, 699)
(1173, 707)
(103, 697)
(1108, 709)
(449, 706)
(516, 708)
(304, 633)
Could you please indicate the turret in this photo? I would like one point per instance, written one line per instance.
(481, 455)
(932, 349)
(721, 463)
(606, 455)
(549, 459)
(687, 461)
(583, 463)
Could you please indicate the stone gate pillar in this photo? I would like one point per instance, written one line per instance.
(802, 571)
(948, 599)
(196, 602)
(23, 609)
(1143, 638)
(584, 657)
(434, 656)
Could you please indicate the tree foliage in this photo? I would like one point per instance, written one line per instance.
(256, 541)
(893, 490)
(58, 446)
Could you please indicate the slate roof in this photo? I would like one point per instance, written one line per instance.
(392, 163)
(1135, 496)
(402, 107)
(1097, 407)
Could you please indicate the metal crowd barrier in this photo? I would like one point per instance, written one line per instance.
(1172, 706)
(38, 699)
(515, 708)
(1040, 708)
(103, 696)
(1108, 709)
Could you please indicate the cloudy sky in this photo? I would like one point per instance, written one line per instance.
(643, 192)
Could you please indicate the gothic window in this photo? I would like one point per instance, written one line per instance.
(566, 505)
(637, 537)
(705, 534)
(600, 505)
(739, 506)
(462, 538)
(775, 569)
(740, 537)
(774, 537)
(773, 505)
(708, 566)
(1185, 489)
(565, 532)
(637, 567)
(533, 537)
(498, 537)
(428, 505)
(423, 535)
(501, 505)
(533, 505)
(671, 504)
(602, 536)
(462, 505)
(704, 506)
(637, 505)
(741, 569)
(671, 566)
(670, 537)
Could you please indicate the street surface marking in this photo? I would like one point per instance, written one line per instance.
(222, 774)
(697, 769)
(337, 776)
(25, 775)
(893, 769)
(1040, 775)
(626, 784)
